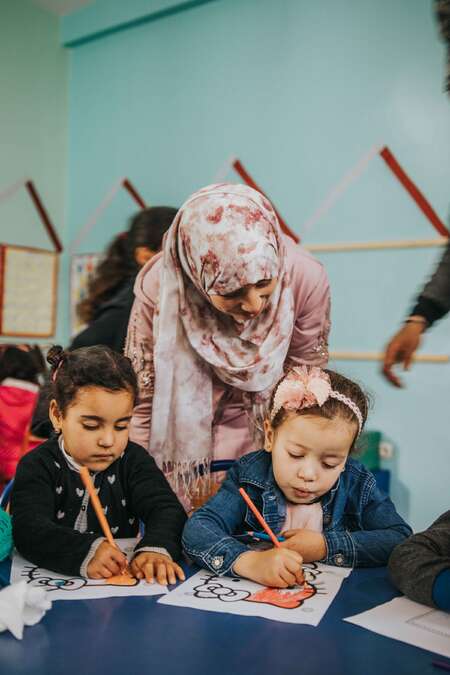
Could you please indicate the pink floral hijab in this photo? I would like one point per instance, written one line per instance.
(224, 237)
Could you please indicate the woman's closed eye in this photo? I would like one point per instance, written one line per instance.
(233, 295)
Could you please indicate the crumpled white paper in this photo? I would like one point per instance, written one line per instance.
(22, 605)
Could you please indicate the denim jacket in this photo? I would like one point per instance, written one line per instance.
(360, 524)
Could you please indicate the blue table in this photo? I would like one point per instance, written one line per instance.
(136, 636)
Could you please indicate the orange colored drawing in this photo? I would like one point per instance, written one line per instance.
(124, 579)
(283, 599)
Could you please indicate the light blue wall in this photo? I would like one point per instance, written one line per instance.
(299, 91)
(33, 127)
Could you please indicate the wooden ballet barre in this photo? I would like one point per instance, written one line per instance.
(379, 356)
(376, 245)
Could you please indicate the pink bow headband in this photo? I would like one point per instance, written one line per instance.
(303, 388)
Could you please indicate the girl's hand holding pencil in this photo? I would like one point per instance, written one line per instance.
(108, 561)
(150, 566)
(276, 567)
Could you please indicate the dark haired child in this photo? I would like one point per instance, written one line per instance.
(326, 505)
(18, 397)
(54, 524)
(107, 307)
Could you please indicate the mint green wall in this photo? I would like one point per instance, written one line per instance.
(299, 90)
(33, 125)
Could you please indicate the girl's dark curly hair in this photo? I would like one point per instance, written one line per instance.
(97, 366)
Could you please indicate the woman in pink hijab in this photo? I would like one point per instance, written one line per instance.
(229, 304)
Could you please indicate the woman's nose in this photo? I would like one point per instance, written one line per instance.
(252, 302)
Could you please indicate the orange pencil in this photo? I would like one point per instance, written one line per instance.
(259, 517)
(88, 484)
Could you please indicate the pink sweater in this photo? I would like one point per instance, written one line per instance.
(230, 426)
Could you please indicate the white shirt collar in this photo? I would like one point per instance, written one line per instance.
(70, 461)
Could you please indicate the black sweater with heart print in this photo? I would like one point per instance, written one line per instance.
(54, 524)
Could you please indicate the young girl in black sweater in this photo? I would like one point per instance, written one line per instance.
(54, 524)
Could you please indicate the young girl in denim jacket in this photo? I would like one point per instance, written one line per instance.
(325, 503)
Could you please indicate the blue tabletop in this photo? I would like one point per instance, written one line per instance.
(131, 636)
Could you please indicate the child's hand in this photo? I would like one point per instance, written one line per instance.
(107, 562)
(149, 565)
(277, 567)
(311, 545)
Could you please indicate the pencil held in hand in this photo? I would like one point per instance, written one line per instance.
(89, 485)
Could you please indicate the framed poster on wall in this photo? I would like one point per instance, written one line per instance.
(82, 269)
(28, 291)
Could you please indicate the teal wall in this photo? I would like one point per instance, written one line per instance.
(33, 128)
(299, 91)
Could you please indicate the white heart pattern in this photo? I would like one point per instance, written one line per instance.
(97, 490)
(60, 515)
(58, 465)
(105, 510)
(80, 492)
(114, 529)
(131, 520)
(112, 479)
(124, 502)
(59, 489)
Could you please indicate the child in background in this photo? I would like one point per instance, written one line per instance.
(420, 566)
(306, 486)
(19, 391)
(54, 524)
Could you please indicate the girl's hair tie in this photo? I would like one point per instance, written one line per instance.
(55, 372)
(304, 388)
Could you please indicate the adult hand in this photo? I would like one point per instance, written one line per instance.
(309, 544)
(401, 349)
(276, 567)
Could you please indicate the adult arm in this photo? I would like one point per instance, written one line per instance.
(311, 289)
(139, 348)
(432, 304)
(434, 301)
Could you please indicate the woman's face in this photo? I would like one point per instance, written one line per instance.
(247, 302)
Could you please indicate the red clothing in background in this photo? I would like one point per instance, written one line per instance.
(17, 401)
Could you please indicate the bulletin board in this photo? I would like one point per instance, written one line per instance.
(28, 291)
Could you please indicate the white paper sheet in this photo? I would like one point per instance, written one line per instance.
(62, 587)
(307, 605)
(408, 621)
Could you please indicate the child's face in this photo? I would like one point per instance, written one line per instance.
(308, 454)
(95, 426)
